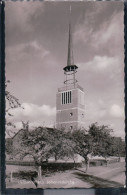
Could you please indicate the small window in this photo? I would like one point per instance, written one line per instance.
(71, 114)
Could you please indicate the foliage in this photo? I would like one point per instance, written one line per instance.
(13, 103)
(9, 147)
(82, 142)
(62, 145)
(101, 140)
(44, 143)
(118, 147)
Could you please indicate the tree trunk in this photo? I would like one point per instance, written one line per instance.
(87, 163)
(74, 164)
(55, 157)
(11, 177)
(39, 173)
(47, 165)
(106, 161)
(46, 160)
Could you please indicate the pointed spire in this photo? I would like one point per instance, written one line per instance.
(70, 60)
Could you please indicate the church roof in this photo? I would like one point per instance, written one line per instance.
(70, 59)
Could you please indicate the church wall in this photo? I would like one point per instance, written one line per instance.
(77, 100)
(71, 114)
(81, 115)
(67, 115)
(67, 126)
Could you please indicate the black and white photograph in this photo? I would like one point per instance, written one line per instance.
(64, 92)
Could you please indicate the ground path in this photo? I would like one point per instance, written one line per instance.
(96, 177)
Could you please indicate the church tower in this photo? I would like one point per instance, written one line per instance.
(70, 98)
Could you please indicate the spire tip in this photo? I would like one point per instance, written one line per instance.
(70, 9)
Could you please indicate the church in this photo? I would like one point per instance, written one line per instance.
(70, 103)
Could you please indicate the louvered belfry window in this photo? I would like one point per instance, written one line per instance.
(66, 97)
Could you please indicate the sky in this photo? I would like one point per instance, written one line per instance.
(36, 53)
